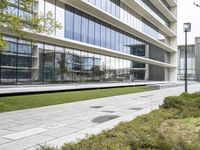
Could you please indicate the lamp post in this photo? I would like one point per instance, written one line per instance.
(186, 28)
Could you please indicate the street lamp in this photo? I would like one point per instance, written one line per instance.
(186, 28)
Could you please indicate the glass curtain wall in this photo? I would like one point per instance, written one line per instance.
(14, 6)
(123, 12)
(42, 63)
(85, 28)
(17, 62)
(27, 62)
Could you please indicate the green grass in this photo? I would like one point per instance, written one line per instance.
(12, 103)
(174, 126)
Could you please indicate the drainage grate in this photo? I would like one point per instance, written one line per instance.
(136, 108)
(108, 111)
(96, 106)
(105, 118)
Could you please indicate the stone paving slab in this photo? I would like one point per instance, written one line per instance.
(25, 142)
(60, 132)
(4, 140)
(25, 133)
(69, 122)
(5, 132)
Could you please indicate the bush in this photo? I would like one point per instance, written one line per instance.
(173, 102)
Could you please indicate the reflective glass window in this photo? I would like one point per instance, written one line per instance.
(108, 37)
(97, 33)
(85, 28)
(113, 44)
(69, 22)
(77, 25)
(103, 35)
(91, 36)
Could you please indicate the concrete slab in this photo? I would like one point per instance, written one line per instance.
(33, 131)
(4, 140)
(17, 89)
(5, 132)
(25, 133)
(25, 142)
(60, 132)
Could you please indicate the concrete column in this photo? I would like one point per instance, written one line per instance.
(35, 62)
(173, 71)
(146, 77)
(197, 58)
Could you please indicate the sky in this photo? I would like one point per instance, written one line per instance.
(188, 12)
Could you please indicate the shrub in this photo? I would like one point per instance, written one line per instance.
(173, 102)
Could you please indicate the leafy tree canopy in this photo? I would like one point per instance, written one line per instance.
(37, 23)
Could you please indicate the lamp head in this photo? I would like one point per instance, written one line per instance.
(187, 27)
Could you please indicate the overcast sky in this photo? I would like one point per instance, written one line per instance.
(187, 12)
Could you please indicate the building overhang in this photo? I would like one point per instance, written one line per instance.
(172, 3)
(133, 4)
(85, 47)
(164, 10)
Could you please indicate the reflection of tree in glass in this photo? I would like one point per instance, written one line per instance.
(63, 66)
(113, 75)
(36, 23)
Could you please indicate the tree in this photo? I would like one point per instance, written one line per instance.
(40, 23)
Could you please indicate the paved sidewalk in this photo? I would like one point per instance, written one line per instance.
(21, 89)
(58, 124)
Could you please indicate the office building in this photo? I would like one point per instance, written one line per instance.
(193, 61)
(190, 62)
(101, 41)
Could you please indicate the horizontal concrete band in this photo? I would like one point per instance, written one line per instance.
(172, 3)
(151, 18)
(87, 47)
(89, 8)
(164, 10)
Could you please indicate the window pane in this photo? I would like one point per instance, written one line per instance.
(69, 22)
(97, 32)
(77, 25)
(84, 30)
(108, 40)
(91, 30)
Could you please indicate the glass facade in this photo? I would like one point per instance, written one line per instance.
(123, 12)
(28, 62)
(14, 6)
(18, 61)
(85, 28)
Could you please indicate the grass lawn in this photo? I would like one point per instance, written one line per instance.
(175, 126)
(12, 103)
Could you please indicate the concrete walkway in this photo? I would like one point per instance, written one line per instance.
(21, 89)
(58, 124)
